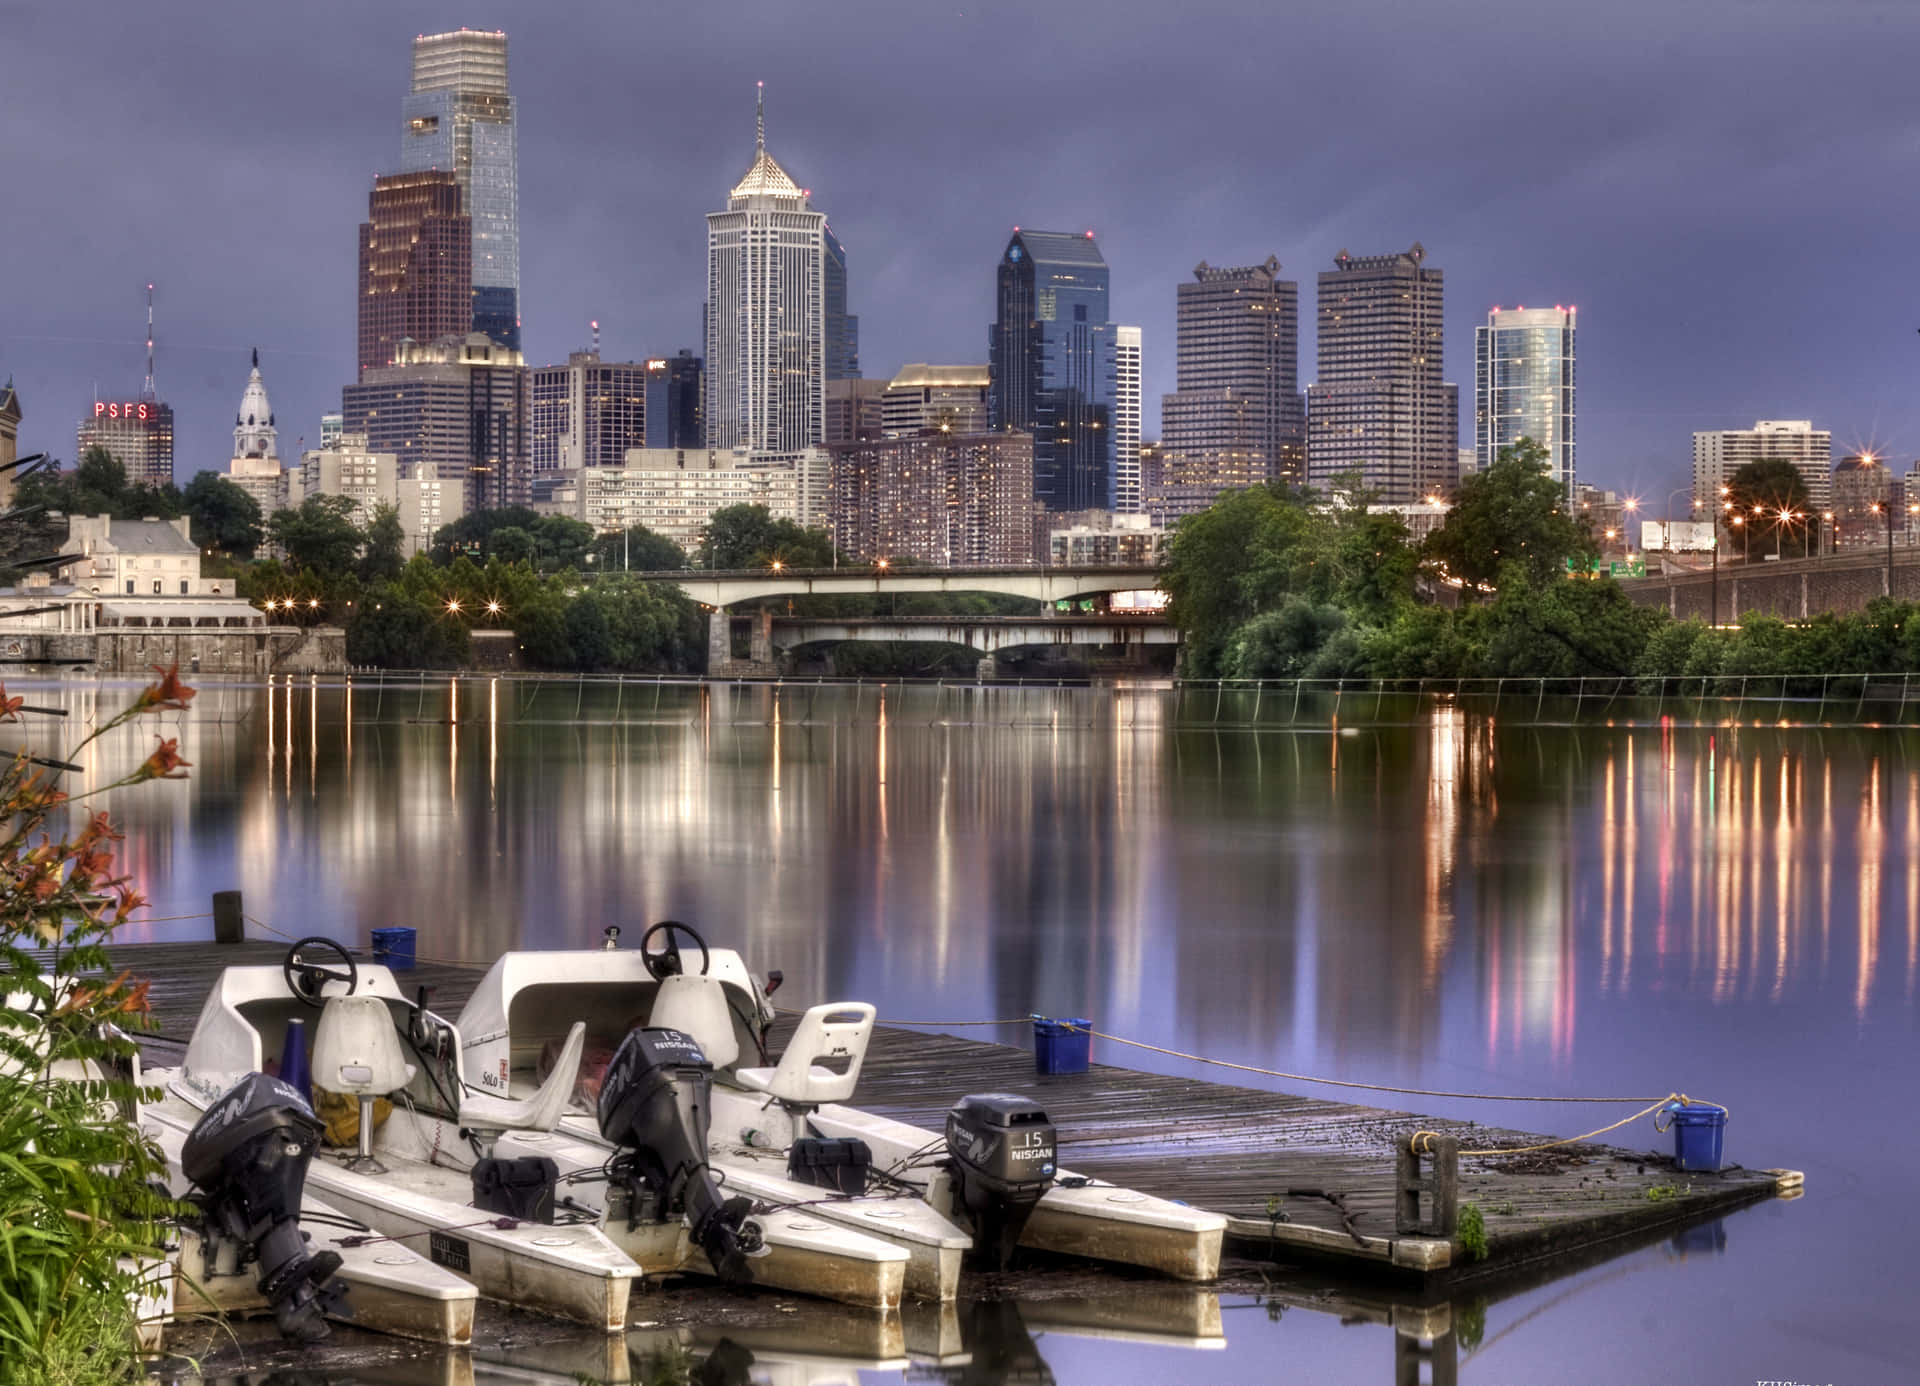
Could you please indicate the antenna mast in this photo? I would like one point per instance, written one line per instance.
(596, 337)
(148, 393)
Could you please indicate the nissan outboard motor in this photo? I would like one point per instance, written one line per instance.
(1001, 1150)
(654, 1107)
(247, 1157)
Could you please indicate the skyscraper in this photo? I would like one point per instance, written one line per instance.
(416, 265)
(766, 319)
(1051, 353)
(949, 399)
(674, 419)
(586, 413)
(459, 118)
(948, 499)
(853, 410)
(842, 327)
(1380, 407)
(460, 404)
(1236, 416)
(1523, 386)
(1126, 419)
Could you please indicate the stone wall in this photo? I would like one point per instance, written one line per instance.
(253, 653)
(1793, 591)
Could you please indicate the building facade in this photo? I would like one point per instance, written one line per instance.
(854, 410)
(1719, 453)
(1380, 407)
(841, 327)
(459, 118)
(1865, 492)
(1100, 539)
(1051, 355)
(1126, 419)
(674, 387)
(137, 558)
(947, 499)
(587, 413)
(766, 313)
(1523, 387)
(1236, 416)
(674, 491)
(139, 434)
(420, 497)
(9, 439)
(416, 265)
(255, 466)
(922, 398)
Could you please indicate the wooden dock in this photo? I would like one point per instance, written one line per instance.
(1301, 1178)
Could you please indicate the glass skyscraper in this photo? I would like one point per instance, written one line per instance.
(843, 328)
(1051, 355)
(459, 117)
(1523, 385)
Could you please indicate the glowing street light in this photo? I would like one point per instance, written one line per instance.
(493, 608)
(453, 605)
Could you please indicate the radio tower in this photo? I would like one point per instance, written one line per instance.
(596, 337)
(148, 393)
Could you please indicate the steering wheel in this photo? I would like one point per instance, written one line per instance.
(305, 979)
(666, 963)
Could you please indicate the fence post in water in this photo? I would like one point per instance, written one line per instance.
(229, 920)
(1432, 1169)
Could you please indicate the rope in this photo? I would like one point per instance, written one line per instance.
(165, 918)
(1421, 1142)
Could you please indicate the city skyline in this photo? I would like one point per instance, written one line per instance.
(919, 207)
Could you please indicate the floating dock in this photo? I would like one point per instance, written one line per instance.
(1300, 1178)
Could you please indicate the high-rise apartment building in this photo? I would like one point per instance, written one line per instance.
(1051, 351)
(949, 499)
(416, 265)
(945, 399)
(853, 410)
(1523, 386)
(1719, 453)
(842, 327)
(1126, 419)
(586, 413)
(766, 313)
(674, 418)
(460, 404)
(674, 491)
(1236, 416)
(1380, 407)
(459, 119)
(139, 434)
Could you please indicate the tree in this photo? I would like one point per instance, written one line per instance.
(392, 628)
(748, 536)
(1246, 554)
(320, 534)
(1758, 493)
(640, 550)
(386, 544)
(1512, 513)
(511, 544)
(559, 543)
(224, 517)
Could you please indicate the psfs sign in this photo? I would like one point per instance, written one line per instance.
(137, 409)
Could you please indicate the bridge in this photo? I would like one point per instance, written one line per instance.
(729, 586)
(987, 634)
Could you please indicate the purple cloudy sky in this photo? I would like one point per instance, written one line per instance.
(1725, 188)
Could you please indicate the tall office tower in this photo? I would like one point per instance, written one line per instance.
(139, 434)
(460, 404)
(949, 499)
(674, 419)
(1380, 408)
(853, 410)
(586, 413)
(1126, 419)
(842, 327)
(416, 265)
(943, 399)
(1719, 453)
(1236, 416)
(1523, 383)
(459, 118)
(766, 321)
(1051, 352)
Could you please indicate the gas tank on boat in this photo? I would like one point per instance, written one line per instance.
(1002, 1149)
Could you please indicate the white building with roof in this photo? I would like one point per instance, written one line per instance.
(255, 467)
(137, 558)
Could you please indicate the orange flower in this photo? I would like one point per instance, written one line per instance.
(9, 707)
(168, 693)
(99, 829)
(164, 762)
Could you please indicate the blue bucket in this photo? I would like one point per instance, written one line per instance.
(1061, 1046)
(393, 948)
(1698, 1131)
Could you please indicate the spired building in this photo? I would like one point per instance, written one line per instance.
(459, 120)
(1380, 407)
(416, 265)
(1236, 416)
(766, 369)
(1051, 352)
(1523, 385)
(255, 467)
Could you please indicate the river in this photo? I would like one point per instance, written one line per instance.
(1430, 895)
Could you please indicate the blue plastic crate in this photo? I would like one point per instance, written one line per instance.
(1061, 1046)
(393, 948)
(1699, 1128)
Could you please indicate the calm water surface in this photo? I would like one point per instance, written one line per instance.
(1439, 900)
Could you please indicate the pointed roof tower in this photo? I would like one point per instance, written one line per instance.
(253, 432)
(765, 178)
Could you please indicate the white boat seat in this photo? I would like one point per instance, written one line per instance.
(481, 1112)
(356, 1050)
(833, 1031)
(697, 1007)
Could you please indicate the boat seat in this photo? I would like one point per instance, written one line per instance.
(833, 1031)
(356, 1049)
(697, 1007)
(481, 1112)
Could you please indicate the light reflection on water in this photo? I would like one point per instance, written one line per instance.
(1441, 900)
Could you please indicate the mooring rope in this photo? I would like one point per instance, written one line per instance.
(1421, 1142)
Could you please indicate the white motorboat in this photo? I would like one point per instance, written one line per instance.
(440, 1173)
(783, 1132)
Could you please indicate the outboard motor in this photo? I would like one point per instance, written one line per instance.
(248, 1158)
(654, 1107)
(1001, 1150)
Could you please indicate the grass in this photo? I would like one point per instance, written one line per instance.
(1471, 1232)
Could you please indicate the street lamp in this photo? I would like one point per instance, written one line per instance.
(1735, 520)
(1632, 507)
